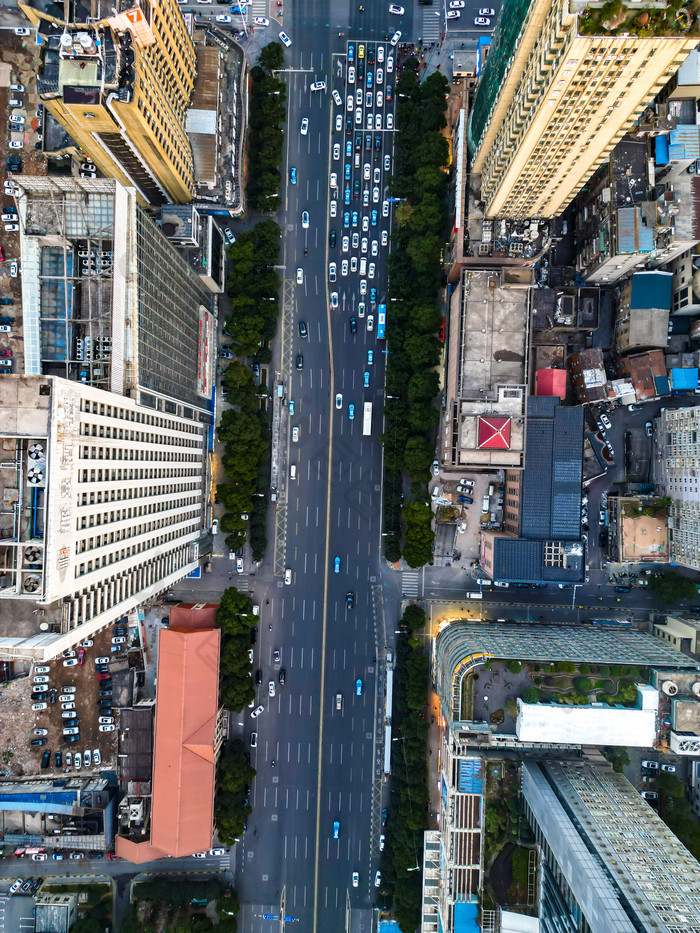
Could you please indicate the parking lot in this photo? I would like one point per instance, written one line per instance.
(65, 694)
(472, 519)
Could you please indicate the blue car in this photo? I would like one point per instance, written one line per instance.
(370, 357)
(336, 564)
(373, 295)
(291, 406)
(348, 169)
(369, 79)
(292, 176)
(346, 196)
(336, 829)
(375, 216)
(354, 218)
(346, 219)
(365, 383)
(358, 687)
(351, 412)
(351, 54)
(348, 148)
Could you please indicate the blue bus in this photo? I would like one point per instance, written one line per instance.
(381, 322)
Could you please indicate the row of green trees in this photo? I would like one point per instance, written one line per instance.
(403, 850)
(244, 430)
(231, 807)
(236, 619)
(267, 115)
(413, 320)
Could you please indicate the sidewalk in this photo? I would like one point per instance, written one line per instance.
(434, 748)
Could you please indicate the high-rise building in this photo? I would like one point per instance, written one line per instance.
(607, 861)
(104, 439)
(562, 84)
(678, 471)
(119, 76)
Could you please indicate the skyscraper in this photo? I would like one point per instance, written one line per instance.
(118, 76)
(560, 87)
(104, 439)
(607, 861)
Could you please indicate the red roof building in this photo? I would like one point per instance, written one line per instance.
(551, 382)
(494, 433)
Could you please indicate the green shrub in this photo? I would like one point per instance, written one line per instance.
(585, 668)
(582, 684)
(604, 670)
(530, 695)
(515, 667)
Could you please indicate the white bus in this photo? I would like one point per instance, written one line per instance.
(367, 419)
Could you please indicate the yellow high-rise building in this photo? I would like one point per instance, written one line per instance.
(119, 82)
(563, 82)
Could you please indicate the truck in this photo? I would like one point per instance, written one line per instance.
(367, 419)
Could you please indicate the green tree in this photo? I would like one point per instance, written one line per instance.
(235, 612)
(414, 618)
(418, 456)
(672, 587)
(237, 693)
(234, 769)
(514, 666)
(271, 56)
(617, 756)
(417, 680)
(530, 695)
(418, 534)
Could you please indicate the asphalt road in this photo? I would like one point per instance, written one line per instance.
(288, 862)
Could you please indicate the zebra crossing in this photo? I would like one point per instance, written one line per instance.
(410, 584)
(431, 25)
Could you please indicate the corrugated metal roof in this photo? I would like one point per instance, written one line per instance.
(632, 235)
(651, 290)
(686, 378)
(684, 142)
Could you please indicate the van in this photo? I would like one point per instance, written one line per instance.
(491, 489)
(293, 472)
(363, 267)
(476, 594)
(482, 582)
(485, 504)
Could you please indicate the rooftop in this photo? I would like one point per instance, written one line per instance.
(597, 724)
(642, 531)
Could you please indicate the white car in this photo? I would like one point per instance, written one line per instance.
(351, 75)
(224, 18)
(358, 117)
(363, 286)
(16, 885)
(22, 31)
(370, 271)
(390, 121)
(261, 21)
(66, 698)
(41, 679)
(377, 879)
(87, 757)
(305, 220)
(70, 662)
(365, 224)
(345, 246)
(16, 144)
(364, 244)
(350, 104)
(375, 248)
(318, 86)
(295, 439)
(271, 688)
(102, 660)
(285, 40)
(338, 122)
(396, 10)
(334, 208)
(478, 20)
(336, 154)
(375, 195)
(460, 4)
(385, 237)
(395, 39)
(120, 639)
(239, 565)
(370, 322)
(355, 879)
(304, 128)
(380, 76)
(333, 180)
(256, 712)
(332, 271)
(199, 855)
(454, 14)
(334, 300)
(39, 706)
(39, 857)
(390, 64)
(67, 706)
(378, 122)
(487, 11)
(385, 208)
(217, 851)
(11, 228)
(288, 576)
(380, 98)
(337, 98)
(96, 758)
(300, 276)
(358, 97)
(78, 761)
(380, 53)
(104, 721)
(344, 267)
(109, 728)
(366, 171)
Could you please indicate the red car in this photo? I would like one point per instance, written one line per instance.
(81, 656)
(2, 255)
(104, 676)
(5, 352)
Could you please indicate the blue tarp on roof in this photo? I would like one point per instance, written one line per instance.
(465, 918)
(684, 143)
(651, 290)
(686, 378)
(388, 926)
(661, 147)
(469, 779)
(633, 235)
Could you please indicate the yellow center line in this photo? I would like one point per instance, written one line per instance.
(324, 617)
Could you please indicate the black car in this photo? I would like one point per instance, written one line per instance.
(353, 325)
(58, 759)
(356, 188)
(282, 676)
(38, 696)
(303, 329)
(350, 600)
(348, 126)
(300, 361)
(602, 539)
(104, 693)
(385, 816)
(361, 69)
(27, 885)
(622, 589)
(36, 884)
(253, 634)
(332, 236)
(102, 668)
(46, 759)
(368, 142)
(37, 743)
(120, 630)
(71, 738)
(370, 55)
(258, 678)
(358, 140)
(377, 142)
(52, 695)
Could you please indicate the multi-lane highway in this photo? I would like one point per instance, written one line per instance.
(319, 729)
